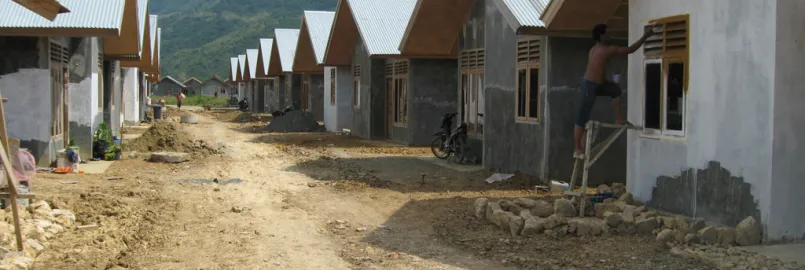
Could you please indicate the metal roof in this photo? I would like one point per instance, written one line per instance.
(142, 11)
(233, 64)
(152, 23)
(382, 23)
(174, 80)
(266, 44)
(319, 24)
(251, 57)
(286, 46)
(527, 12)
(242, 64)
(159, 47)
(86, 14)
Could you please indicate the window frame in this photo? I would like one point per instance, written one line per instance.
(527, 66)
(470, 86)
(397, 85)
(332, 86)
(304, 96)
(356, 87)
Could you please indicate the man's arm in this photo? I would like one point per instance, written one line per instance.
(636, 45)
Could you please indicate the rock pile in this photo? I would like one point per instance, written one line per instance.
(39, 224)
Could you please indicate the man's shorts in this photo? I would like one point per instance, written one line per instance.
(589, 92)
(178, 104)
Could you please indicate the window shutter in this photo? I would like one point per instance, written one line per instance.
(671, 37)
(473, 59)
(528, 50)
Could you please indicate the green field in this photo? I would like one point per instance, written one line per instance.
(195, 101)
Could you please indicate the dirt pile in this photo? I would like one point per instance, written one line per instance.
(295, 121)
(168, 136)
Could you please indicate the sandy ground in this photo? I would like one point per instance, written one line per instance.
(309, 201)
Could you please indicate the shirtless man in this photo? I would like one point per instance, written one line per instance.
(595, 84)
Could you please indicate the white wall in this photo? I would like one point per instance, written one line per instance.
(729, 102)
(95, 107)
(330, 110)
(131, 95)
(116, 115)
(28, 111)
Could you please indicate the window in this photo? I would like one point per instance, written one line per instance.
(397, 90)
(527, 94)
(356, 86)
(666, 78)
(100, 81)
(59, 59)
(472, 90)
(304, 97)
(332, 86)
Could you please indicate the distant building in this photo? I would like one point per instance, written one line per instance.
(168, 87)
(214, 85)
(193, 86)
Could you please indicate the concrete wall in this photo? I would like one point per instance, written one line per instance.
(786, 217)
(432, 85)
(166, 88)
(721, 170)
(85, 109)
(210, 87)
(338, 116)
(296, 90)
(272, 95)
(330, 110)
(116, 98)
(25, 81)
(131, 96)
(283, 90)
(473, 36)
(369, 118)
(316, 96)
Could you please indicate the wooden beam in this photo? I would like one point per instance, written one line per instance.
(48, 9)
(10, 177)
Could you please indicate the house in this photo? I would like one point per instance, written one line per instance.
(233, 77)
(281, 65)
(48, 9)
(55, 69)
(152, 72)
(168, 87)
(395, 96)
(717, 95)
(241, 76)
(269, 85)
(250, 78)
(134, 81)
(308, 60)
(193, 86)
(214, 87)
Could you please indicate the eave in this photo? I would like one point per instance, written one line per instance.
(343, 36)
(124, 46)
(48, 9)
(434, 28)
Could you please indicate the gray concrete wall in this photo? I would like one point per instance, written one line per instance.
(565, 63)
(786, 217)
(431, 94)
(721, 170)
(25, 81)
(369, 118)
(131, 96)
(272, 95)
(210, 87)
(330, 110)
(473, 36)
(296, 91)
(165, 88)
(316, 96)
(337, 117)
(282, 99)
(115, 110)
(84, 112)
(509, 145)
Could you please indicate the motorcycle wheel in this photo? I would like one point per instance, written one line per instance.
(438, 150)
(461, 149)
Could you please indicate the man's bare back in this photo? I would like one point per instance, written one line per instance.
(597, 62)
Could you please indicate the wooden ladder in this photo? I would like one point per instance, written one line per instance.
(592, 128)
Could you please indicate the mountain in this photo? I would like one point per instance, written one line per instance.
(199, 36)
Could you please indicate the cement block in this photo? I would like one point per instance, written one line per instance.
(170, 157)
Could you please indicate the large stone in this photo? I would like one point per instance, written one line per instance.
(596, 227)
(691, 239)
(516, 224)
(554, 221)
(641, 209)
(679, 236)
(668, 222)
(542, 209)
(748, 232)
(709, 235)
(39, 205)
(629, 213)
(480, 207)
(515, 209)
(502, 219)
(583, 228)
(601, 208)
(696, 225)
(666, 236)
(525, 203)
(525, 214)
(564, 208)
(33, 248)
(505, 204)
(21, 211)
(681, 224)
(603, 189)
(626, 197)
(613, 219)
(491, 207)
(64, 217)
(618, 189)
(646, 226)
(169, 157)
(533, 226)
(726, 236)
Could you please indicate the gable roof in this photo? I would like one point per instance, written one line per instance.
(241, 67)
(48, 9)
(212, 79)
(319, 24)
(142, 16)
(434, 27)
(191, 79)
(251, 63)
(523, 13)
(86, 18)
(233, 65)
(264, 55)
(286, 40)
(175, 81)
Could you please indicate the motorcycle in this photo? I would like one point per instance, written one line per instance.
(244, 105)
(447, 142)
(283, 112)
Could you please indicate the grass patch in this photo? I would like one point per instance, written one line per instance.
(196, 101)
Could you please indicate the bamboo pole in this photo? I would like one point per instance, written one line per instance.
(10, 177)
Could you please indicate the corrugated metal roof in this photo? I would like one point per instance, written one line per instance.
(286, 46)
(152, 23)
(319, 24)
(242, 64)
(266, 44)
(251, 57)
(85, 14)
(142, 10)
(527, 12)
(159, 47)
(174, 80)
(233, 64)
(382, 23)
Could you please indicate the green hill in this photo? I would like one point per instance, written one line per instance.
(199, 36)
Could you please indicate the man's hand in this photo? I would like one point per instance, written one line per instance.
(649, 31)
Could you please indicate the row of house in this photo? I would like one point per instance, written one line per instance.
(65, 77)
(720, 145)
(213, 86)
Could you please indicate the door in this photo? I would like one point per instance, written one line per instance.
(66, 105)
(389, 106)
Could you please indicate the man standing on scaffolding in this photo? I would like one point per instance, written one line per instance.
(594, 83)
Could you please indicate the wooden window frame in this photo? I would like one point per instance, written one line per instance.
(397, 74)
(100, 81)
(332, 86)
(666, 49)
(527, 61)
(59, 60)
(472, 63)
(356, 87)
(304, 96)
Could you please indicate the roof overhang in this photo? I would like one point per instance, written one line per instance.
(155, 66)
(583, 15)
(274, 64)
(241, 70)
(127, 44)
(305, 59)
(48, 9)
(343, 36)
(55, 32)
(251, 56)
(434, 28)
(147, 55)
(233, 66)
(262, 66)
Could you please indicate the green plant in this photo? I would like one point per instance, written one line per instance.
(103, 133)
(72, 142)
(111, 152)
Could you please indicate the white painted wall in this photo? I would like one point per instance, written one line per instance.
(729, 102)
(28, 112)
(131, 95)
(95, 104)
(116, 115)
(330, 110)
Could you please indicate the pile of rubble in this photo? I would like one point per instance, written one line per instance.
(39, 224)
(624, 216)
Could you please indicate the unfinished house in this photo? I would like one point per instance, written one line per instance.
(241, 77)
(168, 87)
(250, 80)
(213, 87)
(152, 72)
(193, 86)
(397, 97)
(51, 72)
(309, 58)
(134, 83)
(233, 76)
(270, 85)
(718, 100)
(281, 65)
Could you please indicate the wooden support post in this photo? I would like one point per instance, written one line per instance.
(10, 177)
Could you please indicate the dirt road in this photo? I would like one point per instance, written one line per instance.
(310, 201)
